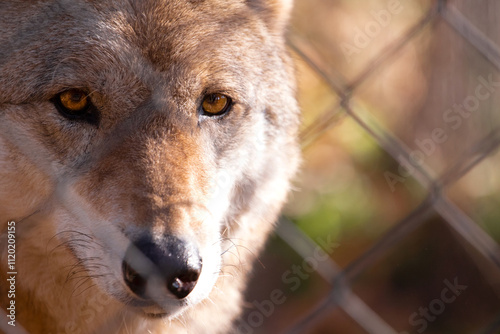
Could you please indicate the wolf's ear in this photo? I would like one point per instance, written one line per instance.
(275, 13)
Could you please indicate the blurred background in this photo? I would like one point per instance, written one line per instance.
(394, 224)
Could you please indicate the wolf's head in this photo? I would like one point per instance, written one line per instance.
(147, 137)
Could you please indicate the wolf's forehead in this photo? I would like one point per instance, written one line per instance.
(81, 42)
(201, 34)
(169, 31)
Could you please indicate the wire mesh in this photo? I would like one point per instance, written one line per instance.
(435, 204)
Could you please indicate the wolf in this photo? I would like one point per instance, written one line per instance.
(146, 150)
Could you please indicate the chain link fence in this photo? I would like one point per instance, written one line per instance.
(440, 142)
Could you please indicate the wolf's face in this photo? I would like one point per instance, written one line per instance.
(146, 137)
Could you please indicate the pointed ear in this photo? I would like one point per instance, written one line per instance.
(275, 13)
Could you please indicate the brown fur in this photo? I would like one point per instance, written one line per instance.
(79, 192)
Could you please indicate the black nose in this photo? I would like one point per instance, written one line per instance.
(170, 261)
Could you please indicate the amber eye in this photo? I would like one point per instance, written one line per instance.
(74, 100)
(216, 104)
(75, 104)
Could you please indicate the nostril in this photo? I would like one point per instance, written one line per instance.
(184, 283)
(134, 280)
